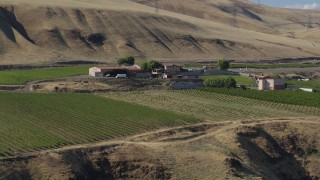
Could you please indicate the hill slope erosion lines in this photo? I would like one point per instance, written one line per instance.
(45, 31)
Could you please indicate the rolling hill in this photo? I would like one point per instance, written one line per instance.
(35, 31)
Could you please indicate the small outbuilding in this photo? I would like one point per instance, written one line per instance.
(271, 83)
(172, 69)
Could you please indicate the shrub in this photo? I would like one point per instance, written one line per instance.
(96, 38)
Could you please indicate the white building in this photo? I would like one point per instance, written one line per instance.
(271, 83)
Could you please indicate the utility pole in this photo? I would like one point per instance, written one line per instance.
(156, 6)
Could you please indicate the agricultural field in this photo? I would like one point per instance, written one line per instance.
(258, 66)
(212, 106)
(241, 80)
(287, 97)
(273, 66)
(32, 122)
(305, 84)
(19, 77)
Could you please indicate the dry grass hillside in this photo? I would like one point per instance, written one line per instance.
(43, 31)
(268, 149)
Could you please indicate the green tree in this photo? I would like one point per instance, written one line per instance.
(223, 65)
(230, 82)
(148, 66)
(128, 61)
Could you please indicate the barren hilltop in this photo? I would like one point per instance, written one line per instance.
(43, 31)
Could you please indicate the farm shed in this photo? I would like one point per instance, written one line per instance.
(269, 83)
(99, 71)
(171, 69)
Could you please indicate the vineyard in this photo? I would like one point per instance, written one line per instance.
(19, 77)
(241, 80)
(287, 97)
(213, 106)
(31, 122)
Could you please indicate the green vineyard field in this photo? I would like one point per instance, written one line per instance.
(287, 97)
(32, 122)
(19, 77)
(214, 106)
(241, 80)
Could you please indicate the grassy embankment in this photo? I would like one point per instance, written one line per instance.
(30, 122)
(19, 77)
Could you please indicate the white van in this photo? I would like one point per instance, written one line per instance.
(121, 76)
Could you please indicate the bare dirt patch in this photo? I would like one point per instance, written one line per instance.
(92, 85)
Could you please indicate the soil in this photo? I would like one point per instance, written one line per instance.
(93, 85)
(259, 149)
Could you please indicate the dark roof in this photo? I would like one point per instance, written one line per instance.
(171, 64)
(110, 67)
(269, 78)
(118, 67)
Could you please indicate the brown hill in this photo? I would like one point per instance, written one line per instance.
(267, 149)
(192, 30)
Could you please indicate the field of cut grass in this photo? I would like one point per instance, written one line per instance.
(30, 122)
(19, 77)
(241, 80)
(213, 106)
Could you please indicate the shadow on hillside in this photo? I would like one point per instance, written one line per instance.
(266, 155)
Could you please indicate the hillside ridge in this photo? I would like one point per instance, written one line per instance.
(47, 32)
